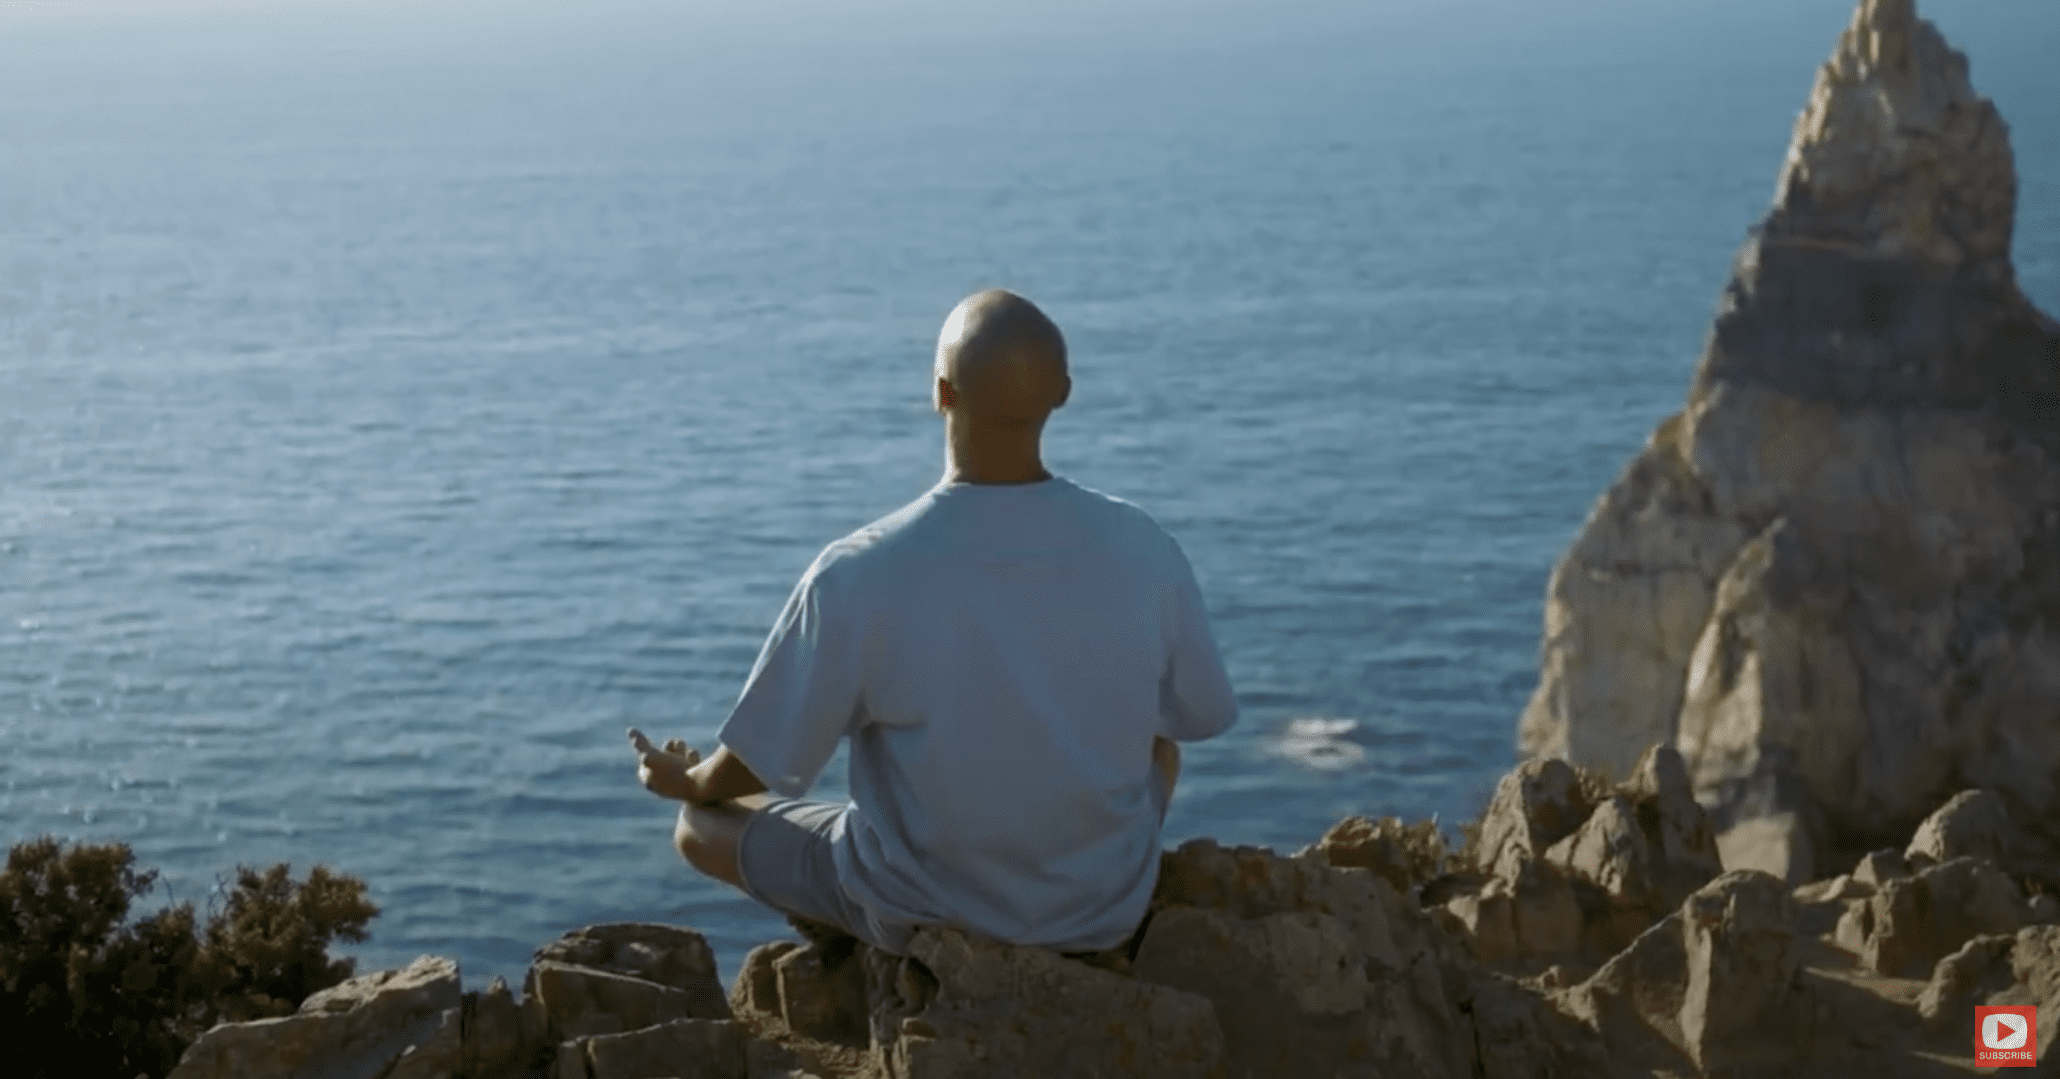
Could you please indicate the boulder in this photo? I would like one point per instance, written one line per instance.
(1742, 964)
(959, 1006)
(1910, 923)
(1549, 919)
(1835, 573)
(812, 990)
(1641, 853)
(1316, 970)
(1964, 979)
(1710, 987)
(1287, 989)
(2035, 980)
(681, 1048)
(494, 1039)
(1881, 866)
(1637, 853)
(438, 1056)
(821, 992)
(2022, 968)
(1535, 806)
(1522, 842)
(405, 1023)
(579, 1002)
(1404, 855)
(1823, 904)
(1838, 889)
(1972, 824)
(1610, 852)
(1519, 1035)
(755, 998)
(1682, 853)
(665, 955)
(1486, 921)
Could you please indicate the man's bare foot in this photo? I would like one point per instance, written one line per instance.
(821, 934)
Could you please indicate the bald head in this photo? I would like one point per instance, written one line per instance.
(1001, 361)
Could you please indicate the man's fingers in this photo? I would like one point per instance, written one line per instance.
(676, 745)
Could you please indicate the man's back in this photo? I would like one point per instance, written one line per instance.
(1002, 656)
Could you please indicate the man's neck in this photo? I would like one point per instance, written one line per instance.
(1034, 472)
(991, 460)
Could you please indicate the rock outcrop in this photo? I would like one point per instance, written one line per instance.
(1316, 970)
(960, 1008)
(1567, 868)
(626, 1001)
(394, 1024)
(1833, 579)
(1421, 962)
(631, 1000)
(1905, 925)
(1711, 987)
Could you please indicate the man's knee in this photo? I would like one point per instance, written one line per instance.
(707, 837)
(691, 844)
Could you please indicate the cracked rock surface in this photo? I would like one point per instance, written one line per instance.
(1832, 580)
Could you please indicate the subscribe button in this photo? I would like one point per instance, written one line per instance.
(2006, 1037)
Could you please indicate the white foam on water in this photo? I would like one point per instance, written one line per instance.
(1322, 743)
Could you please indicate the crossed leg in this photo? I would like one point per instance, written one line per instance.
(708, 836)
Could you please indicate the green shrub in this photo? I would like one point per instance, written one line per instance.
(85, 992)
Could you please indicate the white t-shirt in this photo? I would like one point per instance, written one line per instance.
(1001, 657)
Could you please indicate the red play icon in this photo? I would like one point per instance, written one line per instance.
(2006, 1036)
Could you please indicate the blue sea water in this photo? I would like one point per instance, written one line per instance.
(398, 402)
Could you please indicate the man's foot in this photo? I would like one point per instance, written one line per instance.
(821, 934)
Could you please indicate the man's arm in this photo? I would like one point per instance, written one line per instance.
(1196, 700)
(803, 693)
(679, 773)
(723, 777)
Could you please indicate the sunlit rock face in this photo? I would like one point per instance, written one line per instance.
(1833, 579)
(1896, 154)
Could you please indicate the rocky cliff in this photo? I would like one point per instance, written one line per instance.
(1833, 579)
(1587, 932)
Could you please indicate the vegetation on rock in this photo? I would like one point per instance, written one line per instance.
(86, 991)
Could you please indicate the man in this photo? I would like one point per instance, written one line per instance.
(1013, 658)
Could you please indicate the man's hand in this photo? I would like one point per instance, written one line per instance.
(663, 772)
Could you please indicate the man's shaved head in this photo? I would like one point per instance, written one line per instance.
(1004, 361)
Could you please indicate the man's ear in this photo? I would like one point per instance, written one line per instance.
(944, 398)
(1065, 391)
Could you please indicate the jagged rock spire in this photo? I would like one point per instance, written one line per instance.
(1831, 579)
(1896, 153)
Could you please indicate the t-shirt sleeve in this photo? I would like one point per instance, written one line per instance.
(802, 693)
(1196, 700)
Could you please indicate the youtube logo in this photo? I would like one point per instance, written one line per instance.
(2006, 1036)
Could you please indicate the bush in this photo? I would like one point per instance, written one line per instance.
(84, 992)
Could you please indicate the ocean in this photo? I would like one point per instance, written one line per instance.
(397, 402)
